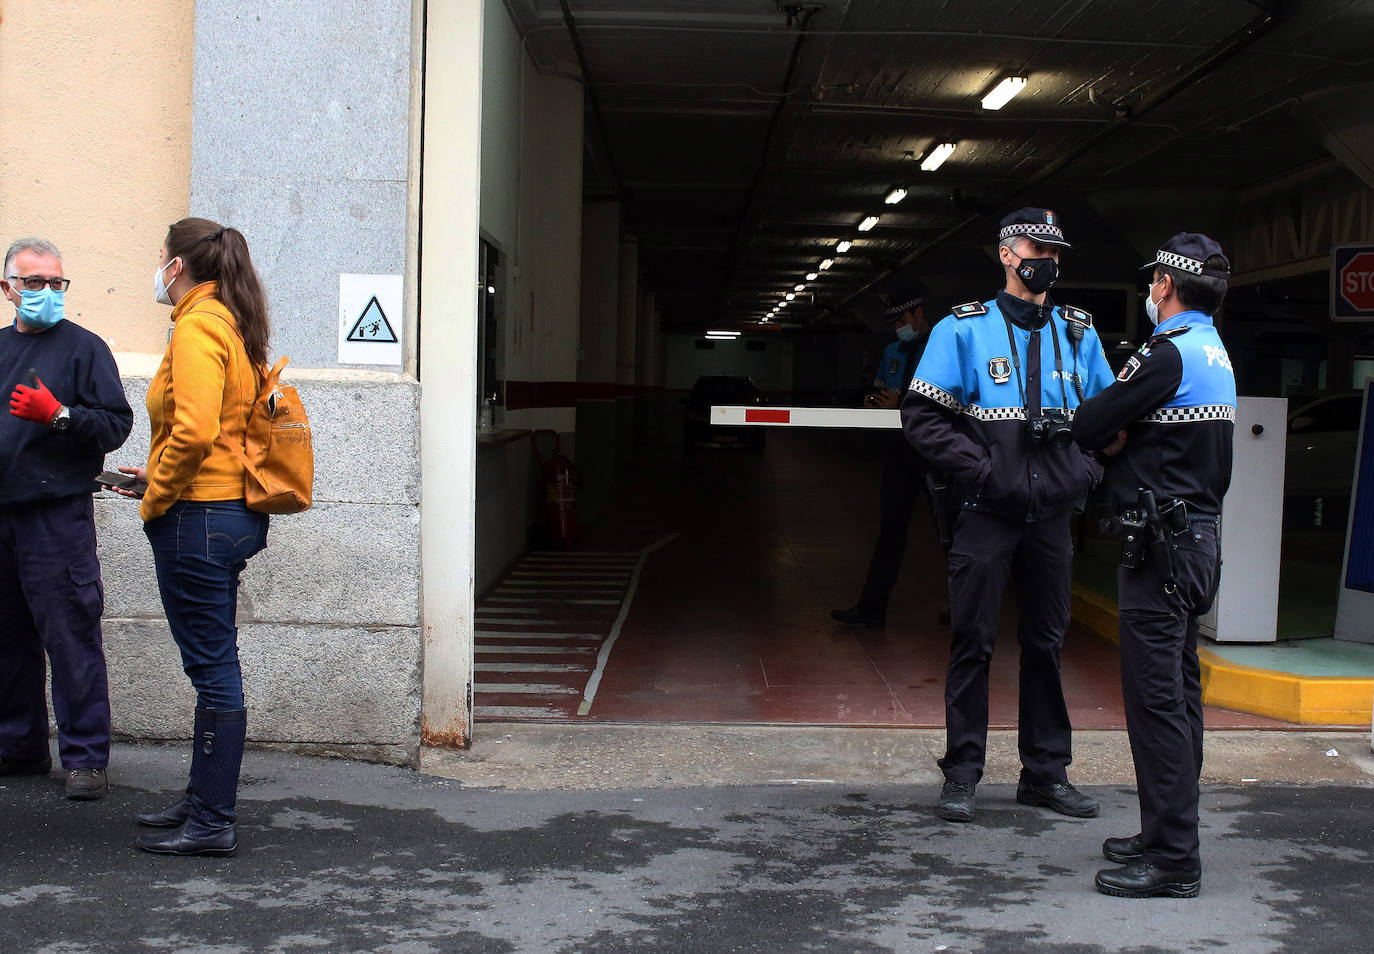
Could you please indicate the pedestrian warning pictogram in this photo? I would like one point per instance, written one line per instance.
(372, 325)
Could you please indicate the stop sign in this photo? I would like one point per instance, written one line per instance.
(1352, 283)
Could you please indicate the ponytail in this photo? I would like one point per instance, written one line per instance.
(211, 252)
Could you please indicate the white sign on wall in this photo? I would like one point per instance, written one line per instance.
(370, 319)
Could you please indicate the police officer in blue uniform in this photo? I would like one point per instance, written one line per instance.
(1174, 405)
(903, 469)
(990, 406)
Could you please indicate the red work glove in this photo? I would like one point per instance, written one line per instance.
(34, 404)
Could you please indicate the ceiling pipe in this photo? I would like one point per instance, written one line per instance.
(571, 25)
(1231, 46)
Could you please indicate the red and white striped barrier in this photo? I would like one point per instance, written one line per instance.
(740, 414)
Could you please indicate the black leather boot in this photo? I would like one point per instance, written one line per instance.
(209, 828)
(1123, 850)
(174, 815)
(169, 817)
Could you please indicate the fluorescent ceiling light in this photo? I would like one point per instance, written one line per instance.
(812, 276)
(783, 304)
(827, 263)
(725, 334)
(1003, 92)
(790, 296)
(868, 223)
(895, 196)
(843, 247)
(937, 156)
(801, 287)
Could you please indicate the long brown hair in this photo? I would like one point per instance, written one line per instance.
(212, 253)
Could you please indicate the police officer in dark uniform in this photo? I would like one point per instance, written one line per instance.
(990, 407)
(903, 469)
(1174, 405)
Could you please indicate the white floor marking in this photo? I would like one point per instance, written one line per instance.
(538, 599)
(526, 667)
(486, 649)
(594, 682)
(502, 713)
(523, 689)
(498, 634)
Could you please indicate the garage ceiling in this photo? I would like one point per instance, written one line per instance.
(745, 138)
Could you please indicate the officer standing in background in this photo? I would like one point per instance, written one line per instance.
(1175, 401)
(67, 410)
(903, 469)
(990, 406)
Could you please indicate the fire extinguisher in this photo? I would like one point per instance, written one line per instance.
(561, 478)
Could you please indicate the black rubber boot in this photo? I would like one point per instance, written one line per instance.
(209, 828)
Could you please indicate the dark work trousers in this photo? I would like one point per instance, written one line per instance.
(1039, 555)
(1162, 686)
(904, 474)
(51, 599)
(199, 550)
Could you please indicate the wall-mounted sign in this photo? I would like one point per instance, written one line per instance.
(370, 321)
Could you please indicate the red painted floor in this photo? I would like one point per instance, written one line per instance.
(728, 620)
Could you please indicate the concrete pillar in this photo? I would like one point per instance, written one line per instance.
(450, 206)
(647, 373)
(597, 349)
(626, 358)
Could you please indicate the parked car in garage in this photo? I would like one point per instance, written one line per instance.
(1322, 438)
(720, 389)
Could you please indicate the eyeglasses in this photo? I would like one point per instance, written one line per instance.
(36, 282)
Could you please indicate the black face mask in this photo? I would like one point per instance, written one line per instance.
(1037, 274)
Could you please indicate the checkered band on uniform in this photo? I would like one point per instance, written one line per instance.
(988, 414)
(939, 395)
(1175, 260)
(1033, 229)
(1188, 415)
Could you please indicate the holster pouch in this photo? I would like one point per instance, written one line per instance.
(942, 507)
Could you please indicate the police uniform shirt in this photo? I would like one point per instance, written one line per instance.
(898, 363)
(965, 411)
(1176, 400)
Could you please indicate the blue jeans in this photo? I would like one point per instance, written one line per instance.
(199, 549)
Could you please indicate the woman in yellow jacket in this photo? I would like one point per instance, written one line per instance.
(201, 532)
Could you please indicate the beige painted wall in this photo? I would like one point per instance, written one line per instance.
(95, 148)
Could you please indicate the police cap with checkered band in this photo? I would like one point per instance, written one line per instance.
(1042, 225)
(1189, 252)
(902, 300)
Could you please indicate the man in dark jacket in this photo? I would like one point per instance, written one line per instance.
(67, 409)
(982, 410)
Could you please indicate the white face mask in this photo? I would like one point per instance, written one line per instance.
(1152, 306)
(159, 289)
(906, 333)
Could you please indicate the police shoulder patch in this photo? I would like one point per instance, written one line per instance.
(969, 309)
(1078, 315)
(1129, 369)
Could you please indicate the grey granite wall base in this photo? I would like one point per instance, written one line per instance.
(329, 613)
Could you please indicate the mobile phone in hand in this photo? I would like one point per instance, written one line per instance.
(114, 479)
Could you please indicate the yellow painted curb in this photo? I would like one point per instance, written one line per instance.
(1306, 700)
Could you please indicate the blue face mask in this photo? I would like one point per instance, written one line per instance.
(41, 309)
(906, 333)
